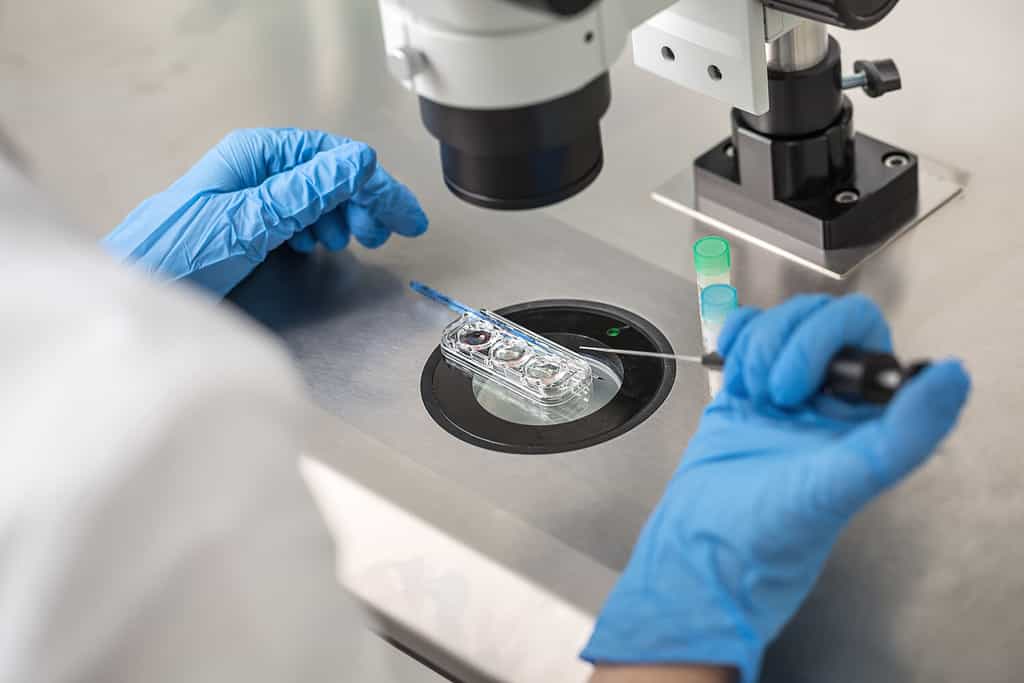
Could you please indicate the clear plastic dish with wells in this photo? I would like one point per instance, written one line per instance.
(530, 366)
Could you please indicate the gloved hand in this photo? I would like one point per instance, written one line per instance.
(774, 473)
(255, 190)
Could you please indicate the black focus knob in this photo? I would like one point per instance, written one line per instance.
(879, 76)
(845, 13)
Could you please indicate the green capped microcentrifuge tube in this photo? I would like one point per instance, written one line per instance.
(717, 302)
(712, 261)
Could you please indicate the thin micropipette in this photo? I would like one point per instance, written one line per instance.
(854, 375)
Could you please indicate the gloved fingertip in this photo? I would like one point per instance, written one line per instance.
(374, 240)
(945, 385)
(364, 227)
(336, 240)
(332, 231)
(403, 214)
(415, 225)
(303, 242)
(921, 415)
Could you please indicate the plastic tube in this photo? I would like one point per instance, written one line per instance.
(712, 260)
(717, 302)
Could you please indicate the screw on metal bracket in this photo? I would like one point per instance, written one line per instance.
(855, 81)
(847, 197)
(896, 160)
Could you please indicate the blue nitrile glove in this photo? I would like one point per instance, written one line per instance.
(257, 189)
(774, 473)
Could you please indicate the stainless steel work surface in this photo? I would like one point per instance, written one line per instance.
(362, 339)
(105, 103)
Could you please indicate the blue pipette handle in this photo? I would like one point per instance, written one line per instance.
(440, 298)
(460, 307)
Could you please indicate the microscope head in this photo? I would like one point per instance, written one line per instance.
(514, 90)
(521, 157)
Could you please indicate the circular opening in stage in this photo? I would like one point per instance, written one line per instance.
(627, 389)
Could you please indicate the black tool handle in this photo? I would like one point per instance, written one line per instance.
(867, 377)
(856, 376)
(712, 361)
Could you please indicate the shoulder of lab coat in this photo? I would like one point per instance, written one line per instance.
(153, 523)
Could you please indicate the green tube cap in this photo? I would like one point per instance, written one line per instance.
(717, 302)
(711, 256)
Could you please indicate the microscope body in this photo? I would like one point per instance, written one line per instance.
(514, 90)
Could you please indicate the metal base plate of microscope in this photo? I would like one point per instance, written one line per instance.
(938, 185)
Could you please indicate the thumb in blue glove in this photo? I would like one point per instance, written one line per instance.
(256, 190)
(772, 476)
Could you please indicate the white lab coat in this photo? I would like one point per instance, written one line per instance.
(153, 524)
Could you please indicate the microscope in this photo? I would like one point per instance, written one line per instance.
(514, 90)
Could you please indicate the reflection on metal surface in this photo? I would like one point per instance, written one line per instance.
(803, 47)
(435, 587)
(937, 188)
